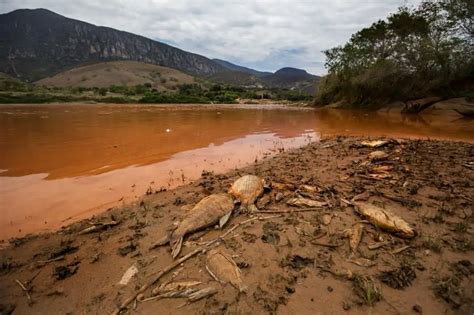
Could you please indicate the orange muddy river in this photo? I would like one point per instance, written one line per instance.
(61, 163)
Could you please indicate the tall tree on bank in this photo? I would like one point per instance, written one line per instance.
(413, 53)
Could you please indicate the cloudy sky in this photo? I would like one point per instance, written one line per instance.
(262, 34)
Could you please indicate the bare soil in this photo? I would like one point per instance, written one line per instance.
(298, 262)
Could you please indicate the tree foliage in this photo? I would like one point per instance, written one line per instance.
(414, 52)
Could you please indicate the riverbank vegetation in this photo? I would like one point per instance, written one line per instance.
(15, 92)
(416, 52)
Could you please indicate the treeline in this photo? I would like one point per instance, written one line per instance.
(18, 92)
(414, 53)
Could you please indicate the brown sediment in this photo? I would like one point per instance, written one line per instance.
(294, 274)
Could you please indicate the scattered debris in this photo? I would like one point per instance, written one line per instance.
(399, 278)
(63, 272)
(174, 286)
(201, 294)
(128, 275)
(296, 262)
(355, 236)
(28, 296)
(98, 226)
(127, 249)
(375, 143)
(366, 289)
(305, 202)
(378, 156)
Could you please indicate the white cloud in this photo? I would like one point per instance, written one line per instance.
(264, 34)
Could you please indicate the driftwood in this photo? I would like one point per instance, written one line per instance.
(96, 227)
(417, 106)
(183, 259)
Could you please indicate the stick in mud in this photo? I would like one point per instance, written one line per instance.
(183, 259)
(28, 296)
(291, 211)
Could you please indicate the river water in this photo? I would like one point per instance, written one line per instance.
(61, 163)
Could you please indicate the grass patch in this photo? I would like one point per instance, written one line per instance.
(365, 288)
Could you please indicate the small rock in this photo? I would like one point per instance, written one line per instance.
(326, 219)
(346, 306)
(279, 197)
(417, 308)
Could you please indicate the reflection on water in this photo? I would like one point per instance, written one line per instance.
(69, 161)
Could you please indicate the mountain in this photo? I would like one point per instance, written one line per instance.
(120, 73)
(38, 43)
(288, 76)
(234, 67)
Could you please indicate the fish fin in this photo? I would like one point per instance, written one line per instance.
(176, 247)
(162, 241)
(224, 219)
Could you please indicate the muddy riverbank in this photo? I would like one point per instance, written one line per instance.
(61, 163)
(293, 262)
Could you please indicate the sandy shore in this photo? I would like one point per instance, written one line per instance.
(295, 262)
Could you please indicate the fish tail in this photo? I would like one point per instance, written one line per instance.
(176, 246)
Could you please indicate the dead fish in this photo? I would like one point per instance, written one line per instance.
(247, 189)
(305, 202)
(378, 155)
(216, 208)
(355, 236)
(223, 268)
(385, 219)
(375, 143)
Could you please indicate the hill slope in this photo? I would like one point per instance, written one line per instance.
(127, 73)
(233, 67)
(38, 43)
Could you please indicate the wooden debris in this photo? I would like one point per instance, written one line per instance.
(128, 275)
(96, 227)
(377, 245)
(355, 236)
(305, 202)
(363, 262)
(28, 296)
(174, 286)
(399, 250)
